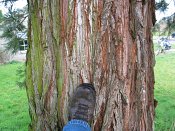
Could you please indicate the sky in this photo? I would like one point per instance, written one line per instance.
(159, 15)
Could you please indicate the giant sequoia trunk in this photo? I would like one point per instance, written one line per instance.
(104, 42)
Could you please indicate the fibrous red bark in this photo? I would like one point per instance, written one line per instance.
(107, 43)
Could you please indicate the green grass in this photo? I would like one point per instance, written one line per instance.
(173, 46)
(165, 91)
(13, 100)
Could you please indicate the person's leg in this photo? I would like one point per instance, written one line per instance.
(81, 108)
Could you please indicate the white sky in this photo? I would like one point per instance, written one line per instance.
(159, 15)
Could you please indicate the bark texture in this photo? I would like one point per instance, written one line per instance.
(104, 42)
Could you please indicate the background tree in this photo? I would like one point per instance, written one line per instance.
(107, 43)
(13, 26)
(170, 25)
(168, 22)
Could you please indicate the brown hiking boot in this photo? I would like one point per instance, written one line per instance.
(83, 103)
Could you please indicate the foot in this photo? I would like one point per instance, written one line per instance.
(83, 103)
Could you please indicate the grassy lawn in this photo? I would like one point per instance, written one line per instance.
(13, 100)
(165, 92)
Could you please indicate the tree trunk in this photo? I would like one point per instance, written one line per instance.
(104, 42)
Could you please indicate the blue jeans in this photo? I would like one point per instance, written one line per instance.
(77, 125)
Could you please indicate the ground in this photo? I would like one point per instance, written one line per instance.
(164, 92)
(13, 100)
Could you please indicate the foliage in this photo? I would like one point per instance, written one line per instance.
(13, 100)
(162, 5)
(170, 24)
(169, 21)
(21, 76)
(13, 27)
(165, 27)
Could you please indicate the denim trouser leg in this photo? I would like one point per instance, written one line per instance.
(77, 125)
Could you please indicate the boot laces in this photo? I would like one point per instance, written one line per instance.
(82, 111)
